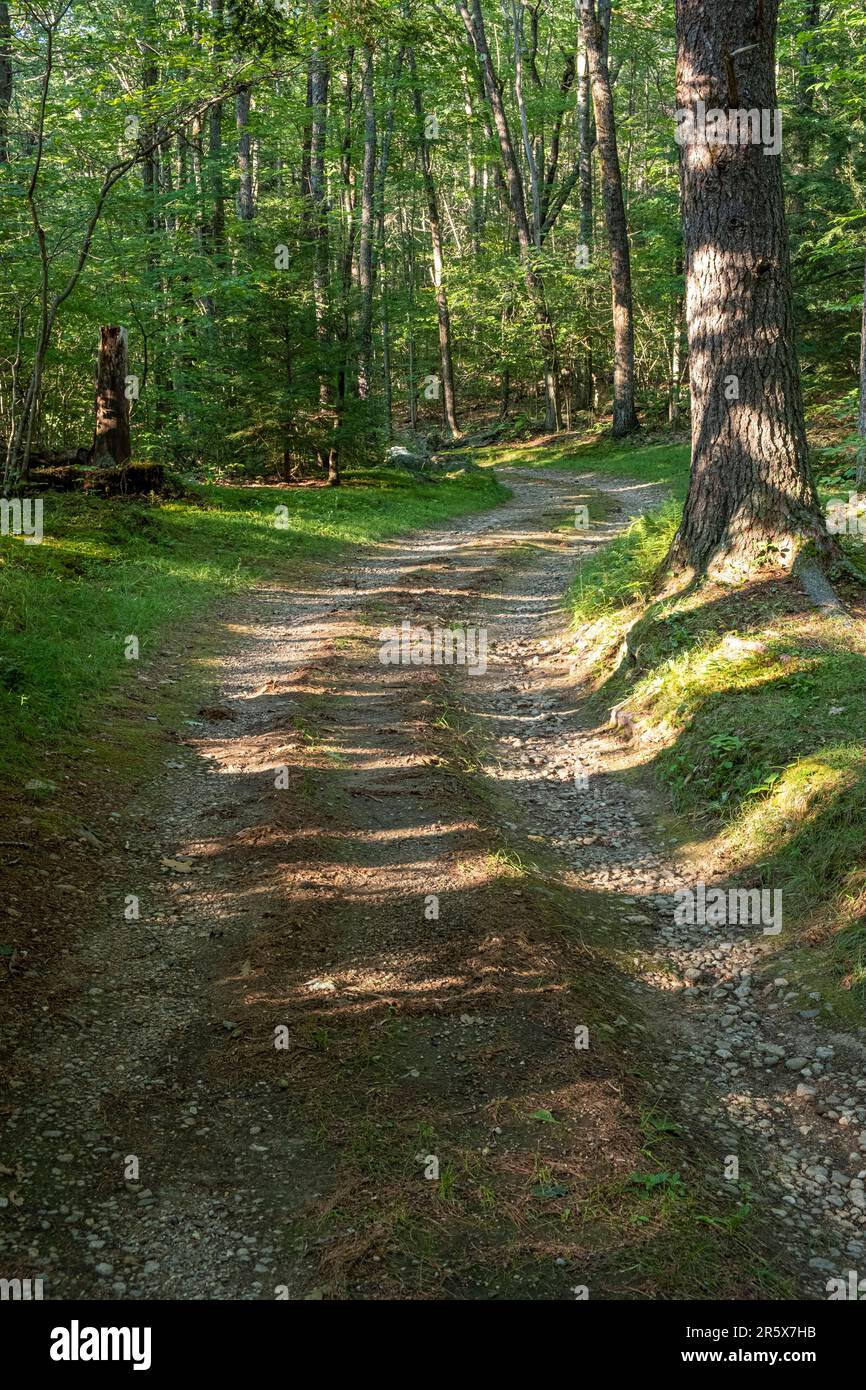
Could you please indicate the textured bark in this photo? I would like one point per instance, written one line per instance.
(473, 21)
(594, 27)
(365, 238)
(246, 206)
(111, 431)
(751, 486)
(442, 310)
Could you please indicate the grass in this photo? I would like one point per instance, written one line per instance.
(755, 707)
(111, 569)
(663, 462)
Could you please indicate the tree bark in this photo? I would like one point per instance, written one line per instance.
(246, 206)
(676, 351)
(751, 498)
(5, 79)
(595, 36)
(442, 310)
(111, 431)
(365, 236)
(318, 97)
(381, 263)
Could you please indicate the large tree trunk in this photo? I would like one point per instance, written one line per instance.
(365, 236)
(111, 432)
(442, 310)
(751, 496)
(473, 21)
(595, 28)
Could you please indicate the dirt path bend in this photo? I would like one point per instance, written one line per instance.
(329, 1034)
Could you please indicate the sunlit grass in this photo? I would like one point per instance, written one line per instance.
(754, 707)
(664, 462)
(109, 569)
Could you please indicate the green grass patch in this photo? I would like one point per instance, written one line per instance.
(758, 707)
(663, 462)
(110, 569)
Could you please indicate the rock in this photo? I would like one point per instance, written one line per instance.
(796, 1063)
(397, 456)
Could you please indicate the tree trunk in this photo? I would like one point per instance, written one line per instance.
(318, 96)
(583, 399)
(246, 207)
(676, 352)
(861, 418)
(595, 36)
(381, 264)
(365, 239)
(442, 310)
(473, 21)
(751, 498)
(111, 432)
(5, 79)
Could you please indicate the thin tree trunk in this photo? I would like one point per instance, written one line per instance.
(584, 395)
(751, 499)
(442, 310)
(318, 94)
(595, 36)
(111, 430)
(381, 263)
(365, 239)
(246, 205)
(5, 79)
(676, 351)
(861, 417)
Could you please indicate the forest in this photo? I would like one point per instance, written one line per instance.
(432, 650)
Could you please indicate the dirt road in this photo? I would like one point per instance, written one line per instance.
(319, 1030)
